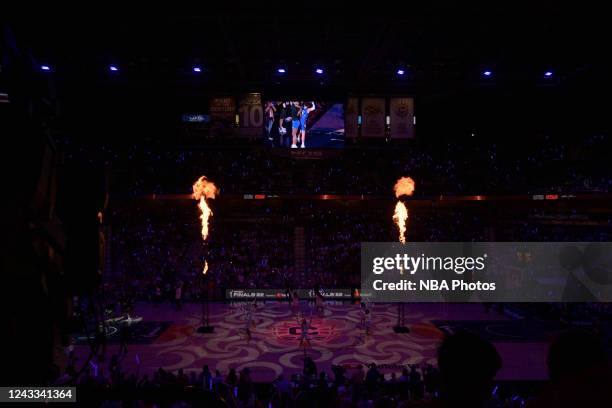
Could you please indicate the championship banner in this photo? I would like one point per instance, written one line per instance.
(402, 118)
(350, 117)
(373, 111)
(222, 114)
(250, 111)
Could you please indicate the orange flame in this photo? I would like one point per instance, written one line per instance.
(203, 189)
(399, 217)
(403, 186)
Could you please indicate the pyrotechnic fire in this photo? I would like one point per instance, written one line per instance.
(403, 186)
(399, 217)
(203, 189)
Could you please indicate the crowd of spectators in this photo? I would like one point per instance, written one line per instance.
(156, 246)
(471, 166)
(153, 254)
(464, 376)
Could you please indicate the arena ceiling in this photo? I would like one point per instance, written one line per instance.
(441, 44)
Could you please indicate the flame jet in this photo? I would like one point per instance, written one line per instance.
(403, 187)
(204, 189)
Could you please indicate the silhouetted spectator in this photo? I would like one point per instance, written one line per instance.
(310, 368)
(124, 338)
(205, 378)
(339, 375)
(245, 386)
(579, 372)
(232, 378)
(415, 384)
(467, 366)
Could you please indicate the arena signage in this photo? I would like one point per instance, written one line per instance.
(281, 294)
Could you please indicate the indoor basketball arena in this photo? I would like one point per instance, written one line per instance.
(260, 207)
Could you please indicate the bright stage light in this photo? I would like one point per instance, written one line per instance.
(548, 74)
(281, 70)
(319, 71)
(45, 68)
(197, 69)
(113, 68)
(487, 73)
(400, 72)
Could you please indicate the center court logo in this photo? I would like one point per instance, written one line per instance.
(290, 331)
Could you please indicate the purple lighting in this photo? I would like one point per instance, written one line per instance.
(487, 73)
(400, 72)
(197, 69)
(113, 68)
(45, 68)
(548, 74)
(319, 70)
(281, 70)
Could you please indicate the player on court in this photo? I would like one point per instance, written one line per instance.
(319, 300)
(366, 317)
(304, 337)
(294, 300)
(250, 310)
(368, 321)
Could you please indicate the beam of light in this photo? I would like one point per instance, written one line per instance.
(403, 187)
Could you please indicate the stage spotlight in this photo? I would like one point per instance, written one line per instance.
(319, 71)
(487, 73)
(400, 72)
(281, 70)
(113, 68)
(197, 69)
(548, 74)
(45, 68)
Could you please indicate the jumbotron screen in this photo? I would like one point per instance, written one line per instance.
(304, 124)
